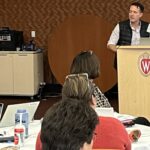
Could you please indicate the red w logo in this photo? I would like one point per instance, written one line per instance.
(145, 65)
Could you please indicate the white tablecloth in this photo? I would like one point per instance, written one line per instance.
(29, 143)
(34, 128)
(144, 141)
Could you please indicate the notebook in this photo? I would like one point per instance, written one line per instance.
(8, 118)
(144, 41)
(107, 112)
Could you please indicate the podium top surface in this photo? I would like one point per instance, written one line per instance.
(134, 47)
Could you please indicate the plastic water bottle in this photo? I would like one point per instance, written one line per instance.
(19, 133)
(22, 117)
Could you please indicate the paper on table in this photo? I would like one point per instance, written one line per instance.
(107, 112)
(123, 117)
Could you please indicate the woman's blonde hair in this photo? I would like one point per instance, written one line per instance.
(78, 86)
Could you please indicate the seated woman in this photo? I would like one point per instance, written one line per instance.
(77, 87)
(110, 132)
(88, 62)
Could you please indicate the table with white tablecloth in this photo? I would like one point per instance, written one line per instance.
(144, 141)
(29, 143)
(34, 128)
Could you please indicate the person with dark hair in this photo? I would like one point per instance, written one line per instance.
(128, 32)
(88, 62)
(69, 125)
(110, 132)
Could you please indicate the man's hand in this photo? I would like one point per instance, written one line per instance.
(112, 47)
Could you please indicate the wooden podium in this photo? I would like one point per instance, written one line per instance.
(133, 64)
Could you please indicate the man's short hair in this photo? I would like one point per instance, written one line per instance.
(138, 5)
(67, 125)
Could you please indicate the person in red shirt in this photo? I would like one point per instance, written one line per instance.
(110, 132)
(38, 145)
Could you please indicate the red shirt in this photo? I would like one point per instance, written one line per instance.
(38, 145)
(111, 133)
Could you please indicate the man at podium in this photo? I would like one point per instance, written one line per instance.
(128, 32)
